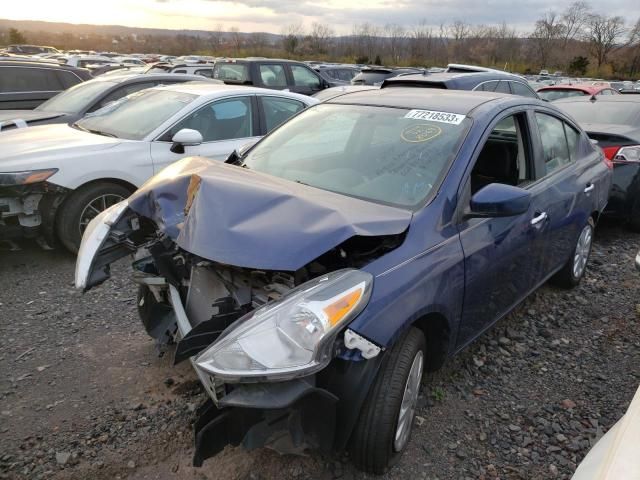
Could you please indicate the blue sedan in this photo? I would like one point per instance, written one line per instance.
(313, 277)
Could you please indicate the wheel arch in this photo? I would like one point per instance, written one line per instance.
(437, 332)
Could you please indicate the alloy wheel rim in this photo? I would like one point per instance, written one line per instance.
(95, 207)
(409, 401)
(583, 248)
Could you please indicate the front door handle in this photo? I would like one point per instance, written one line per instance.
(541, 217)
(589, 188)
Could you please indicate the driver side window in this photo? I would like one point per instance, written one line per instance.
(505, 157)
(223, 120)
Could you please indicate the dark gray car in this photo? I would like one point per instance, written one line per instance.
(87, 97)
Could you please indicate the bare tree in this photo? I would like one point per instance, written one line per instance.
(574, 19)
(548, 31)
(634, 45)
(236, 39)
(292, 35)
(603, 35)
(396, 36)
(320, 38)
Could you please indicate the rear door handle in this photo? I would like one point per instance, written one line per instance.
(541, 217)
(589, 188)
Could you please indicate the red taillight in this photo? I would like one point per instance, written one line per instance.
(609, 154)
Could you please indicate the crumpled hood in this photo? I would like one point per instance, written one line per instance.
(37, 146)
(249, 219)
(27, 115)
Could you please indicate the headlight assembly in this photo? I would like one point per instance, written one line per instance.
(292, 336)
(26, 177)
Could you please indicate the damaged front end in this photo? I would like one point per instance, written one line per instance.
(28, 204)
(258, 302)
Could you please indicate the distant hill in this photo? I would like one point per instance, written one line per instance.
(114, 30)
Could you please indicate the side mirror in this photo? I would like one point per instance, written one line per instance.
(499, 200)
(638, 261)
(185, 138)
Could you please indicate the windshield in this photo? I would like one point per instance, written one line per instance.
(386, 155)
(135, 116)
(620, 113)
(77, 98)
(552, 95)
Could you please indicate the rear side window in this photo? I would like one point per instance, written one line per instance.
(205, 72)
(279, 110)
(273, 76)
(23, 79)
(233, 72)
(555, 145)
(118, 93)
(180, 71)
(487, 86)
(303, 77)
(521, 89)
(68, 79)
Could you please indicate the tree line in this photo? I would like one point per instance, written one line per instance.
(577, 40)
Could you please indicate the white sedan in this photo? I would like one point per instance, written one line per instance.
(55, 178)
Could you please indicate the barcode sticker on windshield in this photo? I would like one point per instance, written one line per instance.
(443, 117)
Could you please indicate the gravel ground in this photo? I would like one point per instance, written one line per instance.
(84, 393)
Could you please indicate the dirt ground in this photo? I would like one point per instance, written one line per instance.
(85, 394)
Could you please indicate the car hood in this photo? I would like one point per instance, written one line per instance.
(34, 146)
(249, 219)
(28, 116)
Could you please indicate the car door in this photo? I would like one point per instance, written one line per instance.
(502, 255)
(271, 75)
(224, 124)
(304, 80)
(567, 183)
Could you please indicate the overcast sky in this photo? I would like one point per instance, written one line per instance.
(272, 15)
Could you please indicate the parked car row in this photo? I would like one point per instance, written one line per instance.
(313, 277)
(313, 256)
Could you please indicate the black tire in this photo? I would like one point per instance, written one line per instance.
(372, 443)
(69, 213)
(566, 277)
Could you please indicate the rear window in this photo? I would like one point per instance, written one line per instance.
(28, 79)
(231, 72)
(371, 78)
(76, 98)
(552, 95)
(620, 113)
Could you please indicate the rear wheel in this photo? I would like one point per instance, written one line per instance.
(574, 269)
(384, 426)
(82, 206)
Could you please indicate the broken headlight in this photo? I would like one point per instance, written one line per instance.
(26, 177)
(292, 336)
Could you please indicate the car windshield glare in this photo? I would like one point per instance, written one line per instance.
(135, 116)
(381, 154)
(77, 98)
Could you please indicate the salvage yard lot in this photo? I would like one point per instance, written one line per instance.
(84, 394)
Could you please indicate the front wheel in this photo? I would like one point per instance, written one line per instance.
(82, 206)
(574, 269)
(384, 426)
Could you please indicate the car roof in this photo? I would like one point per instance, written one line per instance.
(258, 59)
(600, 99)
(454, 80)
(576, 86)
(37, 63)
(206, 88)
(453, 101)
(141, 77)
